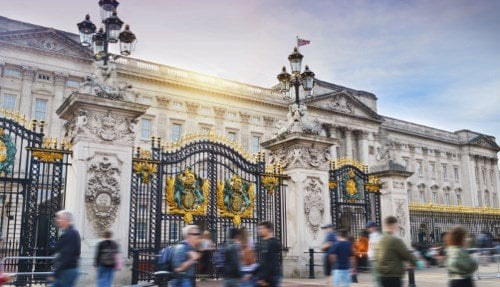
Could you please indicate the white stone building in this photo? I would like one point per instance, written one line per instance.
(40, 67)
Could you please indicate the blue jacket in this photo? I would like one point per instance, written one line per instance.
(67, 250)
(180, 255)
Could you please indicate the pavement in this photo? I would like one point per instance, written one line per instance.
(430, 277)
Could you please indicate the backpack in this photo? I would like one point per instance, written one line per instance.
(107, 256)
(165, 259)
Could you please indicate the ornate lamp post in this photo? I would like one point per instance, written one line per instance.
(109, 34)
(306, 78)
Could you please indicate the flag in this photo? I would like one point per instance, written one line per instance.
(302, 42)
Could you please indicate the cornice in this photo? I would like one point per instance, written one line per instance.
(87, 61)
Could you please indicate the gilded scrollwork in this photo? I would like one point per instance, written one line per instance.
(7, 153)
(235, 199)
(47, 155)
(145, 170)
(187, 195)
(270, 183)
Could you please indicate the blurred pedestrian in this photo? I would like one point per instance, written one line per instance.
(361, 251)
(185, 257)
(461, 266)
(67, 250)
(232, 259)
(4, 277)
(106, 260)
(207, 248)
(269, 271)
(341, 257)
(390, 255)
(330, 239)
(373, 240)
(248, 259)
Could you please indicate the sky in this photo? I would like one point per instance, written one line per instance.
(435, 63)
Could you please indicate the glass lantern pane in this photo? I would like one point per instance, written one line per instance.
(295, 65)
(125, 48)
(86, 39)
(113, 35)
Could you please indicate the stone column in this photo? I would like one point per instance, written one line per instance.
(26, 100)
(98, 185)
(394, 197)
(348, 143)
(245, 131)
(220, 113)
(306, 162)
(363, 147)
(59, 84)
(191, 123)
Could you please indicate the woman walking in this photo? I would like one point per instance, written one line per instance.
(461, 266)
(248, 259)
(106, 260)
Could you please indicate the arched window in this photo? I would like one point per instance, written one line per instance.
(447, 199)
(435, 195)
(421, 192)
(458, 196)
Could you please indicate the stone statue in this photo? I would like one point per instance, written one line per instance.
(386, 146)
(298, 121)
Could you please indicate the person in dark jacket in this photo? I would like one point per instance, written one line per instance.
(105, 260)
(269, 271)
(232, 263)
(67, 249)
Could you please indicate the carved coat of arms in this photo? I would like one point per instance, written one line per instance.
(187, 195)
(7, 153)
(235, 199)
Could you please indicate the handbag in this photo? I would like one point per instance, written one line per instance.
(118, 261)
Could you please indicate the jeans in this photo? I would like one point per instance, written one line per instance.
(232, 282)
(67, 278)
(105, 276)
(249, 283)
(391, 281)
(376, 276)
(341, 278)
(181, 282)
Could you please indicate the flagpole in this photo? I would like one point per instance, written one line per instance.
(297, 42)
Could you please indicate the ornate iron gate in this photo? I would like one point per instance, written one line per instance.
(354, 196)
(204, 180)
(32, 183)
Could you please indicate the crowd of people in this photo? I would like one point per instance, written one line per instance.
(388, 257)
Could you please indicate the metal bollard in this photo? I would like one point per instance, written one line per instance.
(411, 278)
(311, 263)
(135, 266)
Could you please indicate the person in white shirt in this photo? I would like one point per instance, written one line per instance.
(373, 240)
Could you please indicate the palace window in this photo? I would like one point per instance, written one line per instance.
(9, 102)
(435, 197)
(255, 144)
(447, 198)
(176, 132)
(487, 198)
(231, 135)
(455, 173)
(444, 169)
(72, 83)
(420, 170)
(494, 199)
(476, 171)
(12, 72)
(421, 191)
(43, 77)
(492, 177)
(40, 109)
(432, 167)
(459, 198)
(145, 129)
(483, 173)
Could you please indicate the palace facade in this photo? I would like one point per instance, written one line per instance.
(40, 67)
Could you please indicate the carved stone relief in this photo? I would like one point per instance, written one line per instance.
(401, 208)
(398, 184)
(314, 205)
(387, 146)
(340, 104)
(301, 156)
(163, 101)
(101, 126)
(102, 196)
(298, 121)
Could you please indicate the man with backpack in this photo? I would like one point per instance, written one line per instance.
(106, 260)
(184, 257)
(232, 261)
(269, 270)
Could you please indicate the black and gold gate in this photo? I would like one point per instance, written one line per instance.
(32, 183)
(204, 180)
(354, 196)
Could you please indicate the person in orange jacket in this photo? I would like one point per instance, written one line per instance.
(361, 250)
